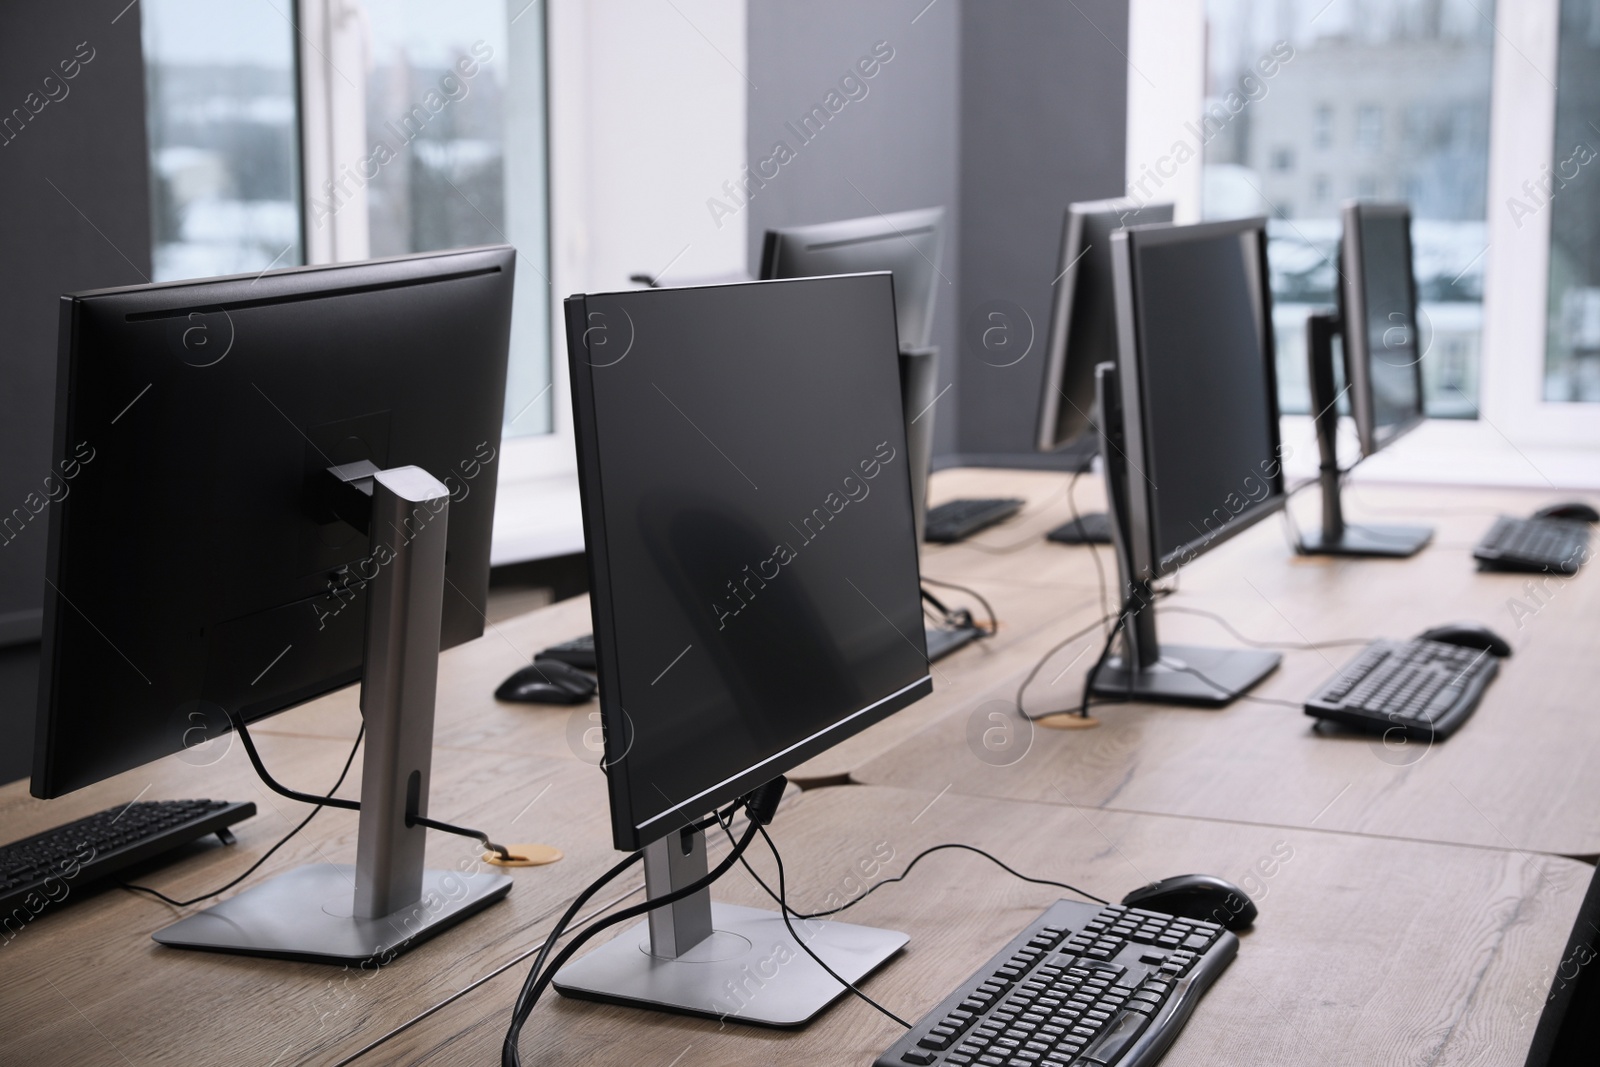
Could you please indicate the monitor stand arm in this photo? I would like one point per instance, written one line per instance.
(1338, 538)
(722, 961)
(386, 902)
(1171, 674)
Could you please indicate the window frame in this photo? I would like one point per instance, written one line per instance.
(1518, 437)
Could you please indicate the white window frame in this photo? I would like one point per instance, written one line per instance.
(1519, 438)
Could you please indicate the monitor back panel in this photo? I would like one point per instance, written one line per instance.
(192, 567)
(908, 244)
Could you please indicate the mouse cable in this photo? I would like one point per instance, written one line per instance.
(785, 911)
(266, 855)
(994, 624)
(1287, 646)
(875, 886)
(760, 803)
(412, 819)
(1057, 647)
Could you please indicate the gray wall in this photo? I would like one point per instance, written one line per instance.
(1043, 123)
(73, 179)
(1004, 113)
(894, 149)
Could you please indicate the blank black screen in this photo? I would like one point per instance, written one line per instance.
(1391, 332)
(1205, 368)
(749, 518)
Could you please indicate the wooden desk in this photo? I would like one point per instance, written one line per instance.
(86, 985)
(1519, 775)
(1366, 950)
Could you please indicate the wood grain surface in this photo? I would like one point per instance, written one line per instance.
(1366, 950)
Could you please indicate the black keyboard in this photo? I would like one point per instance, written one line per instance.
(1425, 689)
(958, 520)
(1512, 544)
(1083, 984)
(47, 868)
(579, 652)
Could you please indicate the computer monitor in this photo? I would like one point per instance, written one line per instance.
(753, 566)
(199, 564)
(908, 244)
(1377, 319)
(1083, 334)
(1189, 426)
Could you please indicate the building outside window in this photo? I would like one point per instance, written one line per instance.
(1427, 61)
(224, 133)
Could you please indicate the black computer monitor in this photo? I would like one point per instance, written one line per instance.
(1190, 435)
(753, 566)
(1083, 334)
(1083, 316)
(907, 244)
(200, 566)
(1378, 315)
(1377, 319)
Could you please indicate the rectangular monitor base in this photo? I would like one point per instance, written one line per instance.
(749, 970)
(1375, 540)
(306, 915)
(943, 640)
(1214, 676)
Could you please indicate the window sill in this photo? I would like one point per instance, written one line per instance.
(536, 518)
(1449, 452)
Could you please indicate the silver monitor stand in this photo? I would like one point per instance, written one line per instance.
(386, 902)
(722, 961)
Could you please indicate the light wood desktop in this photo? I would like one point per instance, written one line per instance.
(1390, 935)
(1518, 775)
(1366, 950)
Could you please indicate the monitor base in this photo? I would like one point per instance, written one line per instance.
(749, 970)
(1091, 529)
(306, 915)
(1227, 673)
(943, 640)
(1375, 540)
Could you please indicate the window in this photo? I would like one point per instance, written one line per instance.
(1283, 160)
(1571, 190)
(1428, 62)
(224, 134)
(1369, 128)
(286, 132)
(1322, 126)
(426, 130)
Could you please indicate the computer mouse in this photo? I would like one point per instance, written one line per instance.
(547, 681)
(1196, 896)
(1469, 635)
(1572, 509)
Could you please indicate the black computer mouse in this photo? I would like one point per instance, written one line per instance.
(547, 681)
(1469, 635)
(1196, 896)
(1572, 509)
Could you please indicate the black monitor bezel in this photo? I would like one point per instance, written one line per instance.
(1148, 564)
(1353, 325)
(627, 833)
